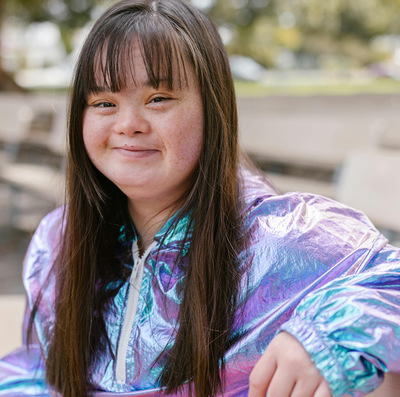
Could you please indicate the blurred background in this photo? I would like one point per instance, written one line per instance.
(318, 86)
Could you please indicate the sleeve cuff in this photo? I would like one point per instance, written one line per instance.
(321, 354)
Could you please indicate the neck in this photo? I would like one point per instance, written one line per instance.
(148, 220)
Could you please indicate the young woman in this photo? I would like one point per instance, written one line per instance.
(173, 267)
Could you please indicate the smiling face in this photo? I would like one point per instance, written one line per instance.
(147, 140)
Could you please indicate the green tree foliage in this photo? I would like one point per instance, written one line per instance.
(72, 13)
(263, 28)
(67, 14)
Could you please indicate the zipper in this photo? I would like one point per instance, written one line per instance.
(135, 283)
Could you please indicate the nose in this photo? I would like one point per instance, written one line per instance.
(132, 120)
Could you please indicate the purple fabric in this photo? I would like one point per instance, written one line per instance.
(319, 270)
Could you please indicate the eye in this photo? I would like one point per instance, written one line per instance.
(159, 99)
(103, 105)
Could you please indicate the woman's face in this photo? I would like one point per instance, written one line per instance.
(146, 140)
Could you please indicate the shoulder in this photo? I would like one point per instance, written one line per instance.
(253, 185)
(299, 242)
(306, 212)
(49, 229)
(297, 210)
(303, 232)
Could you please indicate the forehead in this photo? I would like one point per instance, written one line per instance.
(116, 65)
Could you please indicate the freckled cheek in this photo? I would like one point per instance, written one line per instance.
(189, 143)
(93, 135)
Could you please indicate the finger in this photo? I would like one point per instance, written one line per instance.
(309, 381)
(261, 376)
(305, 387)
(282, 384)
(323, 390)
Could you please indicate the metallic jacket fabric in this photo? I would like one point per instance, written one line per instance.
(320, 271)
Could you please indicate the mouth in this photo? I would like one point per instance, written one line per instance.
(136, 151)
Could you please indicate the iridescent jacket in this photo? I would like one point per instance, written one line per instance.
(320, 271)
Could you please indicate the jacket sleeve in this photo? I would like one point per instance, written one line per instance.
(351, 325)
(22, 371)
(22, 374)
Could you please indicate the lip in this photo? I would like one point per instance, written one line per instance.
(135, 151)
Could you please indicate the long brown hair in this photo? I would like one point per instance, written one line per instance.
(169, 33)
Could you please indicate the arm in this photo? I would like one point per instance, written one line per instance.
(22, 374)
(343, 283)
(351, 327)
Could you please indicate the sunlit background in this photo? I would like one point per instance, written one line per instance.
(318, 86)
(274, 42)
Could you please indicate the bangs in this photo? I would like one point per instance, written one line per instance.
(111, 63)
